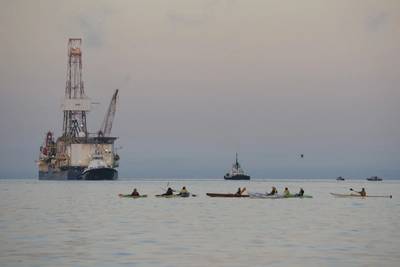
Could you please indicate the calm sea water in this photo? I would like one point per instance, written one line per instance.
(53, 223)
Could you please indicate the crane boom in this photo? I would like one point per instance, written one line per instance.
(106, 126)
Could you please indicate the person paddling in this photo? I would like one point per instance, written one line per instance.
(169, 192)
(240, 191)
(184, 192)
(135, 193)
(273, 191)
(286, 193)
(300, 193)
(362, 192)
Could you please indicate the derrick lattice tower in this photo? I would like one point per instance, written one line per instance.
(76, 103)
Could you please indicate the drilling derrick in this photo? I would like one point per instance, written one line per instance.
(76, 104)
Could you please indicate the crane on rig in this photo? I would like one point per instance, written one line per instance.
(106, 126)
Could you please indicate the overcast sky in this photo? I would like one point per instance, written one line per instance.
(200, 80)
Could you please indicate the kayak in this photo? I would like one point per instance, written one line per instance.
(277, 196)
(167, 196)
(130, 196)
(225, 195)
(358, 195)
(176, 195)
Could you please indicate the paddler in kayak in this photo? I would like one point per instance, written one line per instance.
(135, 193)
(240, 191)
(300, 193)
(362, 192)
(169, 192)
(273, 191)
(184, 192)
(286, 192)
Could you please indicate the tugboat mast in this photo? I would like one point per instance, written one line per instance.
(237, 163)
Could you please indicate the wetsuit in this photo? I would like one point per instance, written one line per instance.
(301, 193)
(184, 192)
(286, 193)
(168, 193)
(362, 193)
(273, 192)
(239, 192)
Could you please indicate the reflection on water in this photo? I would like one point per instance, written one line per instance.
(45, 223)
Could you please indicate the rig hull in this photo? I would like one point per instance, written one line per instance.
(70, 173)
(76, 173)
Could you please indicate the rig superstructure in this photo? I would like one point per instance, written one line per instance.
(69, 157)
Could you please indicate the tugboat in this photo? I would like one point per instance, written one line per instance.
(340, 178)
(98, 169)
(237, 172)
(374, 178)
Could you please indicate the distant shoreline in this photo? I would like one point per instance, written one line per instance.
(220, 179)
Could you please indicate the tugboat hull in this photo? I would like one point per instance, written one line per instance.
(237, 177)
(374, 179)
(100, 174)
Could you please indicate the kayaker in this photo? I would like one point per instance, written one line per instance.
(286, 193)
(135, 193)
(362, 192)
(300, 193)
(183, 192)
(169, 192)
(273, 191)
(240, 191)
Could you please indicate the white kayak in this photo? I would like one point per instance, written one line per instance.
(358, 195)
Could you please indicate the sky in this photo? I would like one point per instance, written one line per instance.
(201, 80)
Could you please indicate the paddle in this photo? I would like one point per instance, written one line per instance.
(165, 190)
(351, 189)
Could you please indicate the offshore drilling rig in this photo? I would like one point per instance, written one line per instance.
(78, 154)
